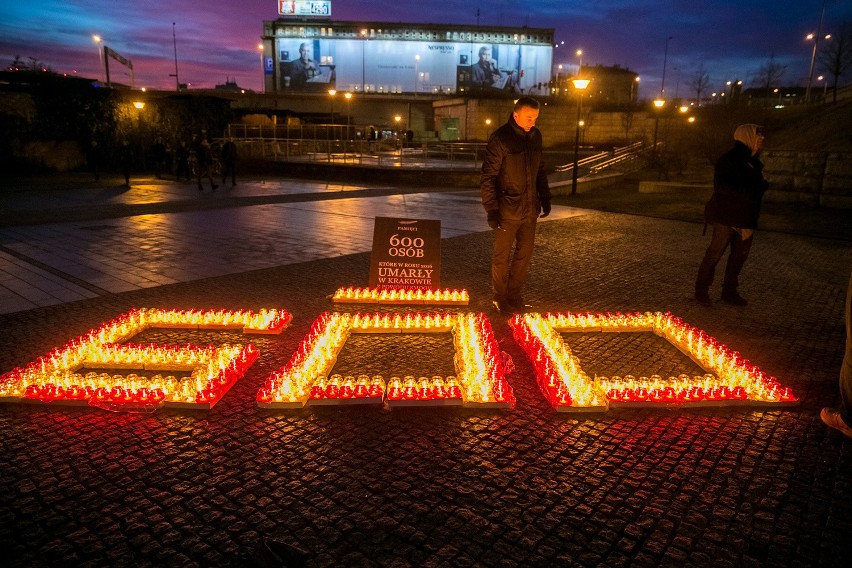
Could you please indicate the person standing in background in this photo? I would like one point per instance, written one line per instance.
(733, 209)
(229, 161)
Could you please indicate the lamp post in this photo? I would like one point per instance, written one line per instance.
(665, 60)
(732, 85)
(262, 68)
(98, 40)
(815, 38)
(174, 45)
(658, 105)
(580, 85)
(580, 56)
(634, 88)
(348, 97)
(558, 70)
(331, 94)
(398, 120)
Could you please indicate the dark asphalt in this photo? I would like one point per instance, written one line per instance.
(367, 486)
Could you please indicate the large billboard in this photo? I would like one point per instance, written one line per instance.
(393, 66)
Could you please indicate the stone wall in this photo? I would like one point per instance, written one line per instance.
(815, 178)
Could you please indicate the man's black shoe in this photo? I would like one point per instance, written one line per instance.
(501, 306)
(734, 299)
(518, 306)
(703, 298)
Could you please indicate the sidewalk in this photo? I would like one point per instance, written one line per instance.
(422, 486)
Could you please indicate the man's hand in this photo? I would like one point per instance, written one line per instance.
(545, 208)
(494, 219)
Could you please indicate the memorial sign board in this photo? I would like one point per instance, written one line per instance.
(406, 253)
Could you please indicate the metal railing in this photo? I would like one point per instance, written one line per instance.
(345, 144)
(604, 160)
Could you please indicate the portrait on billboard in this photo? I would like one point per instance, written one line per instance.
(496, 68)
(308, 70)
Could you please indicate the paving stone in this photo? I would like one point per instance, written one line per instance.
(454, 487)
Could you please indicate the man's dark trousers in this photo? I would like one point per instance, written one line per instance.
(509, 272)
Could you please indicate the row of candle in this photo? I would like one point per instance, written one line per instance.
(355, 295)
(424, 389)
(214, 370)
(265, 320)
(53, 376)
(558, 372)
(338, 387)
(480, 375)
(479, 363)
(565, 385)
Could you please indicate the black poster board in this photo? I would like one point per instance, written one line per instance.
(406, 253)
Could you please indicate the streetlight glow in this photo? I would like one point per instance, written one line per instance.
(580, 85)
(98, 40)
(658, 104)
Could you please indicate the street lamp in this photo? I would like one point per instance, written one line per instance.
(580, 85)
(658, 105)
(580, 55)
(634, 88)
(824, 86)
(558, 70)
(815, 39)
(331, 94)
(665, 60)
(262, 67)
(98, 40)
(348, 97)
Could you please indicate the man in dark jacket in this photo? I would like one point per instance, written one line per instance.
(514, 191)
(733, 209)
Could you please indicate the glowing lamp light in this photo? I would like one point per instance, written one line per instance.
(479, 380)
(730, 380)
(56, 378)
(446, 297)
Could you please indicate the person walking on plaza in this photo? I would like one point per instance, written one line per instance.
(182, 161)
(229, 161)
(514, 191)
(158, 156)
(841, 418)
(204, 163)
(733, 209)
(126, 159)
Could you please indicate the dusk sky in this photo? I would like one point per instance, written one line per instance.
(217, 39)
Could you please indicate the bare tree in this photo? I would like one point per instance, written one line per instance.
(699, 83)
(835, 57)
(769, 75)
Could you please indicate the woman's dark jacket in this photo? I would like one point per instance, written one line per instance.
(738, 188)
(513, 181)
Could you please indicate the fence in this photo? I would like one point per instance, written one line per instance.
(348, 144)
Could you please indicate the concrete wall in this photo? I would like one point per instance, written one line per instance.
(556, 122)
(816, 178)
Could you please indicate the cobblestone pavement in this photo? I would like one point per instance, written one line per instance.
(370, 486)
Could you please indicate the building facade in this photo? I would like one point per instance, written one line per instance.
(303, 55)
